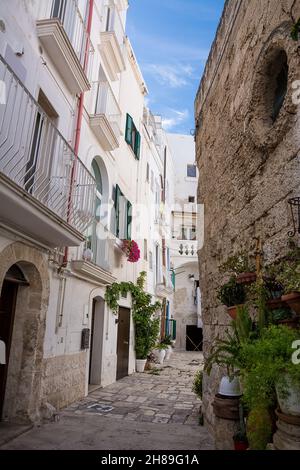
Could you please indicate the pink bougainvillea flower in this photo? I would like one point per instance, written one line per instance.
(131, 249)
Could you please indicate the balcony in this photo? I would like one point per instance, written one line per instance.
(63, 35)
(106, 120)
(184, 248)
(94, 263)
(112, 43)
(165, 288)
(46, 192)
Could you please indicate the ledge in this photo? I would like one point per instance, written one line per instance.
(60, 50)
(112, 54)
(104, 132)
(93, 272)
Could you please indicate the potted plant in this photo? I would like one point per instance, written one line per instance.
(240, 437)
(167, 341)
(241, 267)
(232, 294)
(160, 352)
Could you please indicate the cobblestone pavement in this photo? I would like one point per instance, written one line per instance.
(142, 411)
(163, 398)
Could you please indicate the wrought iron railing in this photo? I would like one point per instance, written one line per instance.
(36, 157)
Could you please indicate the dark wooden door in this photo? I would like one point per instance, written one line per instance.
(123, 343)
(7, 313)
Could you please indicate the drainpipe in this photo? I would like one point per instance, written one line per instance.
(79, 115)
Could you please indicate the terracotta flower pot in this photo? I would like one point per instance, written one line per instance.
(275, 304)
(240, 445)
(293, 301)
(246, 278)
(293, 323)
(232, 311)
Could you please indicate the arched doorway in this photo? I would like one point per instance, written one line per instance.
(8, 299)
(24, 292)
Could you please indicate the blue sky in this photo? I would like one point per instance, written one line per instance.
(172, 39)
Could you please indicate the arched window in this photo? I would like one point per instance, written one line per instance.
(280, 84)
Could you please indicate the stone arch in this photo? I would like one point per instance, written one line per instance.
(263, 131)
(23, 387)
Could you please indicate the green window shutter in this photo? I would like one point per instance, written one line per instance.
(128, 131)
(129, 220)
(174, 329)
(117, 210)
(137, 145)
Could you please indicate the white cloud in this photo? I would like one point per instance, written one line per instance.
(173, 118)
(171, 75)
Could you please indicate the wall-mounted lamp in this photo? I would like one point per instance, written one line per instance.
(295, 210)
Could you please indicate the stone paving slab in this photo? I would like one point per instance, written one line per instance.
(136, 403)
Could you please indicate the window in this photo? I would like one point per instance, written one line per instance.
(150, 260)
(152, 181)
(148, 173)
(191, 171)
(187, 233)
(191, 199)
(281, 85)
(92, 239)
(145, 249)
(123, 215)
(133, 137)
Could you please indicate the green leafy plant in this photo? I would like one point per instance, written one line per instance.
(237, 264)
(241, 435)
(264, 360)
(296, 30)
(146, 325)
(167, 340)
(226, 352)
(232, 293)
(259, 428)
(198, 384)
(286, 271)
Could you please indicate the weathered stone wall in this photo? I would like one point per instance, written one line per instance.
(63, 379)
(249, 166)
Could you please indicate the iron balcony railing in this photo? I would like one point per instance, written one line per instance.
(105, 103)
(36, 157)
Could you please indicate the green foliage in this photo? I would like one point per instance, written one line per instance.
(226, 352)
(232, 293)
(237, 264)
(281, 314)
(264, 360)
(259, 428)
(167, 340)
(146, 326)
(198, 384)
(296, 30)
(286, 271)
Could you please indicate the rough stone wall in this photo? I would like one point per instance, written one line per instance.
(249, 166)
(63, 379)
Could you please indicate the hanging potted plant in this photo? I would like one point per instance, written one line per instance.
(241, 267)
(232, 295)
(131, 250)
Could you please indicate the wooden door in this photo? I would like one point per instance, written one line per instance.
(7, 313)
(123, 343)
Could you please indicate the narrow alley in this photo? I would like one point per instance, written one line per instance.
(154, 410)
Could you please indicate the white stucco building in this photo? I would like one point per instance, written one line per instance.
(79, 154)
(184, 246)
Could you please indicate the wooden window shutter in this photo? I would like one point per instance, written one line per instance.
(137, 145)
(128, 131)
(129, 220)
(117, 209)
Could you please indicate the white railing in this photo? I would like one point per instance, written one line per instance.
(105, 103)
(69, 15)
(36, 157)
(113, 24)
